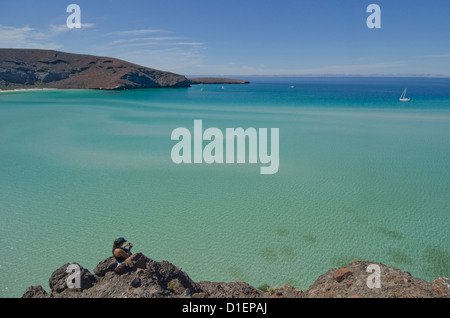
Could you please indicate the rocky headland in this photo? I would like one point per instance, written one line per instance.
(142, 277)
(47, 69)
(34, 69)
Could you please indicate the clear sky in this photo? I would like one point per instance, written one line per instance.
(245, 37)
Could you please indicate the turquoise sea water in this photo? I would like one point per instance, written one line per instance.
(362, 176)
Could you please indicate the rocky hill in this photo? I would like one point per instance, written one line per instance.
(29, 68)
(142, 277)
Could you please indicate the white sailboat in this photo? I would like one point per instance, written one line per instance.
(403, 97)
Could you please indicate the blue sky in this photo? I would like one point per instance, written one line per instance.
(246, 37)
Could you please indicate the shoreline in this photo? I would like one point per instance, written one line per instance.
(27, 90)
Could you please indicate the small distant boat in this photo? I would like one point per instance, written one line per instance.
(292, 86)
(403, 97)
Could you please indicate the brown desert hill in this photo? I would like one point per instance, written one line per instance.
(30, 68)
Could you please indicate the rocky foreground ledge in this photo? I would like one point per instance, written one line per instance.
(142, 277)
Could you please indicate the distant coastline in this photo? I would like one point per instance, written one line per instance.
(216, 80)
(331, 75)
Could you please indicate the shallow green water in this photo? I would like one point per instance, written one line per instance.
(362, 176)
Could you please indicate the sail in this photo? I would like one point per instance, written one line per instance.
(403, 97)
(403, 94)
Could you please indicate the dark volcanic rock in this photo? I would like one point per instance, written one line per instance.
(229, 290)
(284, 292)
(342, 273)
(171, 277)
(142, 277)
(351, 281)
(131, 264)
(26, 68)
(57, 281)
(107, 265)
(136, 282)
(35, 292)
